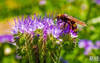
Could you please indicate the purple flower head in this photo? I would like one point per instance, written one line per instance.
(40, 25)
(97, 2)
(88, 50)
(88, 46)
(56, 32)
(45, 25)
(28, 25)
(6, 38)
(49, 21)
(98, 44)
(85, 43)
(49, 30)
(42, 2)
(45, 33)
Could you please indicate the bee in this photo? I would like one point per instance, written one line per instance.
(71, 21)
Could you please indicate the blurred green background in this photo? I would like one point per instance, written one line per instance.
(84, 10)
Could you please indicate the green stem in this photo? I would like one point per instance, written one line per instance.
(59, 51)
(29, 50)
(89, 11)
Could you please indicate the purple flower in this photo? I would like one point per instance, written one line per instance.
(88, 46)
(40, 25)
(42, 2)
(97, 2)
(98, 44)
(88, 50)
(6, 38)
(44, 25)
(49, 30)
(45, 33)
(56, 32)
(28, 25)
(85, 43)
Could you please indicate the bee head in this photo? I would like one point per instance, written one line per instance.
(63, 17)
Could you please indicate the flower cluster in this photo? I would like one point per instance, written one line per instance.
(42, 37)
(47, 25)
(88, 46)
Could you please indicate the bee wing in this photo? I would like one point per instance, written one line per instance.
(76, 21)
